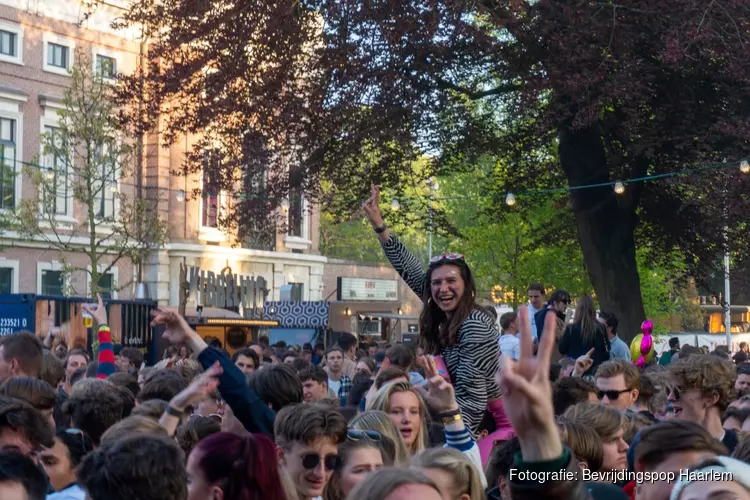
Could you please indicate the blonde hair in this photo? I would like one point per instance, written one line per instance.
(465, 478)
(382, 402)
(604, 420)
(379, 421)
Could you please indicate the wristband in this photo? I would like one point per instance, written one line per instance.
(450, 413)
(381, 229)
(453, 419)
(174, 412)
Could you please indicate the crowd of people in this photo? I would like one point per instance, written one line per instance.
(545, 406)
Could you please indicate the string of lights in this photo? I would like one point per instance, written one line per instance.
(619, 186)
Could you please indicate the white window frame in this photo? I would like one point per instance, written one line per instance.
(48, 38)
(106, 52)
(17, 29)
(53, 265)
(208, 233)
(50, 119)
(300, 242)
(115, 197)
(14, 265)
(101, 267)
(5, 112)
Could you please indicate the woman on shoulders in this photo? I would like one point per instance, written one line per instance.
(451, 324)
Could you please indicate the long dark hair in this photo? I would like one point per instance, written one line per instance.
(246, 467)
(586, 317)
(435, 330)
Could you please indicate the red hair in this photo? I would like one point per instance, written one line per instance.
(246, 467)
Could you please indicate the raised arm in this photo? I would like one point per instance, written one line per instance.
(106, 355)
(403, 261)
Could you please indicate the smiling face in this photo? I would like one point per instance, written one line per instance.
(447, 287)
(688, 404)
(403, 409)
(309, 482)
(312, 390)
(358, 465)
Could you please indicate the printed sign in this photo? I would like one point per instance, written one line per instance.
(366, 289)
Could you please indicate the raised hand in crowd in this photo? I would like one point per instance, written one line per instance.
(528, 393)
(440, 394)
(372, 211)
(199, 389)
(97, 311)
(583, 364)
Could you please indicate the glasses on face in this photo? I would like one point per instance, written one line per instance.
(310, 461)
(611, 395)
(356, 434)
(447, 256)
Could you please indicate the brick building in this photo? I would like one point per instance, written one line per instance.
(38, 42)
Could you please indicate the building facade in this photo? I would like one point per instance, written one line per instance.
(39, 40)
(369, 299)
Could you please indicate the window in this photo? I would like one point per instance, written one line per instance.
(106, 185)
(59, 185)
(106, 66)
(296, 216)
(8, 43)
(11, 42)
(7, 163)
(6, 280)
(106, 285)
(52, 282)
(210, 209)
(57, 55)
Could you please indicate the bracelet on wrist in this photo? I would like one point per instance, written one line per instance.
(449, 413)
(454, 419)
(174, 412)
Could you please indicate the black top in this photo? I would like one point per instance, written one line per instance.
(573, 345)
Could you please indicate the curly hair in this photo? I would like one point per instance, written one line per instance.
(94, 406)
(196, 428)
(712, 375)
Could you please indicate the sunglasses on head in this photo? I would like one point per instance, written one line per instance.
(311, 461)
(356, 435)
(611, 395)
(447, 256)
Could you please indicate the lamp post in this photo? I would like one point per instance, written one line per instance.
(727, 301)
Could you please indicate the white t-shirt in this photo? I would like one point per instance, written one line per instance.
(532, 313)
(510, 346)
(334, 385)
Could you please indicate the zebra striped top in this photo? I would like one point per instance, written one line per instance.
(474, 359)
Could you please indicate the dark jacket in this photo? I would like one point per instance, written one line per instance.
(573, 345)
(541, 316)
(554, 490)
(250, 410)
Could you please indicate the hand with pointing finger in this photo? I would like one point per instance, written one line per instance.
(583, 364)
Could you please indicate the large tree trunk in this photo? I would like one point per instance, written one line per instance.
(606, 225)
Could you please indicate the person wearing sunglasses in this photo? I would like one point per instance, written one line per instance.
(452, 325)
(617, 384)
(307, 440)
(584, 334)
(60, 462)
(361, 454)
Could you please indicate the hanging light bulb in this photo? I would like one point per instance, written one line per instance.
(49, 174)
(619, 187)
(510, 199)
(114, 189)
(395, 205)
(180, 195)
(285, 204)
(745, 167)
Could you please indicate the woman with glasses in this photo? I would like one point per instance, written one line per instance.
(228, 466)
(452, 325)
(60, 463)
(584, 334)
(360, 455)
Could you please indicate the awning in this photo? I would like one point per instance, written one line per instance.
(387, 315)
